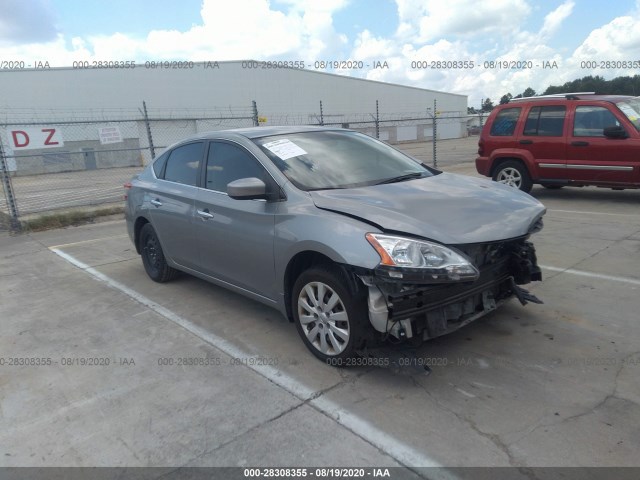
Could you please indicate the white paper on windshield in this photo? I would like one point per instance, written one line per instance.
(628, 111)
(284, 149)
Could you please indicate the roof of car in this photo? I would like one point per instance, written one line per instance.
(573, 96)
(257, 132)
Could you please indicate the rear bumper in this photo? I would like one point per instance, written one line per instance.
(483, 166)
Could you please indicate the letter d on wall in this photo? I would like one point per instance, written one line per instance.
(26, 138)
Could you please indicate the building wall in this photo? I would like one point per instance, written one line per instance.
(283, 96)
(279, 91)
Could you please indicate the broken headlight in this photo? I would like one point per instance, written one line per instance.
(404, 258)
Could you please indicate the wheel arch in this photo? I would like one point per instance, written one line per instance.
(304, 260)
(501, 160)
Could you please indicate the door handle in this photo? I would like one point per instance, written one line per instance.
(579, 144)
(205, 214)
(526, 142)
(156, 202)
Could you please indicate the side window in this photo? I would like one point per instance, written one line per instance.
(546, 121)
(505, 122)
(591, 121)
(226, 163)
(183, 164)
(158, 164)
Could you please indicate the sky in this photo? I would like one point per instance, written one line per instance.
(508, 45)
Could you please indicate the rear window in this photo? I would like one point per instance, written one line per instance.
(505, 122)
(158, 164)
(183, 164)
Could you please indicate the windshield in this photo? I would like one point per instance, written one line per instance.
(338, 159)
(631, 108)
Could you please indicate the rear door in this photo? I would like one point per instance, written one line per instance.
(543, 135)
(171, 203)
(235, 237)
(594, 158)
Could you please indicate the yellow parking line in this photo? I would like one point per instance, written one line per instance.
(86, 241)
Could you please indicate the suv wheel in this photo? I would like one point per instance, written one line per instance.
(514, 174)
(329, 318)
(153, 257)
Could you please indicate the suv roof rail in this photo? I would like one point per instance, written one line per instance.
(558, 96)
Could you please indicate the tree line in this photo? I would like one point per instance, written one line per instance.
(616, 86)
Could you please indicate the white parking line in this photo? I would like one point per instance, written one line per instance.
(82, 242)
(402, 453)
(601, 276)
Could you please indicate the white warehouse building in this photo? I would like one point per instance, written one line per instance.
(204, 96)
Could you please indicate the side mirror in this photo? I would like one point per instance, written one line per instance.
(615, 132)
(247, 189)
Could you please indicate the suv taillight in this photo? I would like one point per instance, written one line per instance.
(480, 147)
(127, 186)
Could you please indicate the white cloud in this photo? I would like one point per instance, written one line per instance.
(428, 20)
(459, 30)
(553, 20)
(242, 30)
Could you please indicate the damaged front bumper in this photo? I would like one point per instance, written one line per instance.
(422, 311)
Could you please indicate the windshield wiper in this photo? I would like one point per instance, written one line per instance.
(402, 178)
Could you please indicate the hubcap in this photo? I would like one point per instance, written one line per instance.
(151, 252)
(510, 176)
(323, 318)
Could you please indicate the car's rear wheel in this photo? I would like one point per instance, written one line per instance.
(155, 264)
(514, 174)
(329, 315)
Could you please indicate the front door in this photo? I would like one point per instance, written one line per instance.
(595, 158)
(235, 237)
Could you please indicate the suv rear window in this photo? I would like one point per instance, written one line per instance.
(545, 121)
(505, 122)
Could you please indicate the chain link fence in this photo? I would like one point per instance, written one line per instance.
(58, 160)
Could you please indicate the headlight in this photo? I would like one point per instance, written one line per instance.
(433, 262)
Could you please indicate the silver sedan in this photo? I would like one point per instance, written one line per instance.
(352, 240)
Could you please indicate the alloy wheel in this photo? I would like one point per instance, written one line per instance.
(323, 318)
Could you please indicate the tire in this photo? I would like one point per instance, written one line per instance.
(336, 321)
(153, 258)
(514, 174)
(551, 186)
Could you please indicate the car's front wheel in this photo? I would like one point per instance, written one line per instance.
(330, 316)
(514, 174)
(155, 264)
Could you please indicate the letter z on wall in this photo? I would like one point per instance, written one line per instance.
(26, 138)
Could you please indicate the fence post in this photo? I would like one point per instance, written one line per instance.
(8, 192)
(256, 122)
(435, 134)
(377, 121)
(149, 136)
(321, 114)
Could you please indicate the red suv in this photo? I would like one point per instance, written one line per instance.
(573, 139)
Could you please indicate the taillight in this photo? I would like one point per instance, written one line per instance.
(480, 147)
(127, 186)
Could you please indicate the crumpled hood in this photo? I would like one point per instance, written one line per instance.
(448, 208)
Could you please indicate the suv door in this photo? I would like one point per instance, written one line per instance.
(594, 158)
(543, 136)
(171, 203)
(235, 237)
